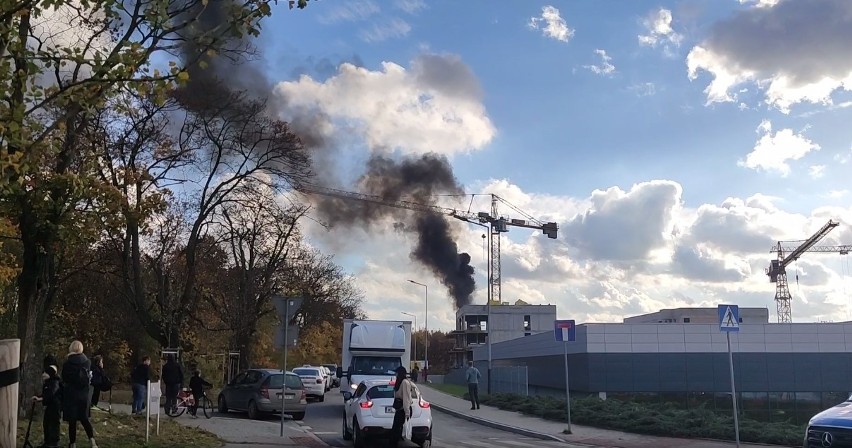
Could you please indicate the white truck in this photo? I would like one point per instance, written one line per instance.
(373, 349)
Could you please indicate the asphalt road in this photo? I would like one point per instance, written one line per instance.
(326, 419)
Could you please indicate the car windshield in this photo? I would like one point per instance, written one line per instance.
(293, 381)
(307, 372)
(383, 391)
(330, 367)
(375, 365)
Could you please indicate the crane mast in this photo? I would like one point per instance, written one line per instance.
(496, 223)
(788, 253)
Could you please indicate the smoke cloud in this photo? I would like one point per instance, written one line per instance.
(418, 180)
(213, 77)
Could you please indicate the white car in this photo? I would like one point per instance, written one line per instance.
(369, 413)
(314, 380)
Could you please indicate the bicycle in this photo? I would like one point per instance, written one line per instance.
(185, 401)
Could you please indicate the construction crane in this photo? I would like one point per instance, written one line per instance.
(497, 224)
(790, 251)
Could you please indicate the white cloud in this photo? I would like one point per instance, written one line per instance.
(551, 24)
(388, 29)
(434, 106)
(605, 67)
(761, 3)
(658, 30)
(816, 171)
(843, 158)
(350, 11)
(773, 47)
(410, 6)
(838, 194)
(773, 150)
(644, 89)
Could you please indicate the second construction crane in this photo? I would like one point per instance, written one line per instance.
(497, 224)
(790, 251)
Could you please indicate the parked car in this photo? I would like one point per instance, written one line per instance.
(831, 427)
(335, 380)
(369, 413)
(258, 391)
(314, 381)
(329, 382)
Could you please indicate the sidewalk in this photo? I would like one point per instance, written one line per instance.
(549, 430)
(242, 433)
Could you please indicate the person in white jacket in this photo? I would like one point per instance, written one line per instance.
(402, 403)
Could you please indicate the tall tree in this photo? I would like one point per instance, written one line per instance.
(49, 83)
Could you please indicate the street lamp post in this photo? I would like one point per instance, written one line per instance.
(426, 325)
(413, 339)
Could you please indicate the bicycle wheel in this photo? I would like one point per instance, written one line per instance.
(177, 411)
(207, 405)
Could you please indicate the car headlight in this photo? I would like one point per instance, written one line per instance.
(353, 386)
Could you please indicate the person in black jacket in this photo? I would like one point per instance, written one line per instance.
(77, 393)
(197, 384)
(139, 382)
(51, 399)
(97, 380)
(173, 379)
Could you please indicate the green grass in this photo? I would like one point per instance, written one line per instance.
(452, 389)
(647, 418)
(124, 431)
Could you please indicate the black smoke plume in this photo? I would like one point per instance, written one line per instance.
(418, 180)
(236, 67)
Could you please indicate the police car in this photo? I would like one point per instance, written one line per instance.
(831, 428)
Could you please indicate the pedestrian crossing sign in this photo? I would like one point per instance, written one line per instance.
(729, 318)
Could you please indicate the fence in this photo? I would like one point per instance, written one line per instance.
(510, 380)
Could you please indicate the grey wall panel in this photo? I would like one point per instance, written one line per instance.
(619, 372)
(806, 368)
(836, 372)
(699, 372)
(783, 378)
(597, 372)
(750, 370)
(673, 372)
(646, 372)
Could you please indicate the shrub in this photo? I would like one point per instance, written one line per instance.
(659, 419)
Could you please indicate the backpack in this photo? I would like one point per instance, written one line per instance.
(106, 384)
(81, 377)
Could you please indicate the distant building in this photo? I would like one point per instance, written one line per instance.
(783, 371)
(698, 316)
(507, 322)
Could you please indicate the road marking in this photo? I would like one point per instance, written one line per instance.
(326, 432)
(475, 443)
(513, 443)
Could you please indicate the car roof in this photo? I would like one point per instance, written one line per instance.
(272, 371)
(376, 382)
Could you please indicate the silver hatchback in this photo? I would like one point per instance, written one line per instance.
(258, 392)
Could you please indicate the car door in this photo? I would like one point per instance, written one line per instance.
(230, 391)
(245, 390)
(352, 405)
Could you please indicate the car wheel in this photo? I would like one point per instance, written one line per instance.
(347, 435)
(357, 438)
(321, 397)
(298, 416)
(252, 410)
(223, 407)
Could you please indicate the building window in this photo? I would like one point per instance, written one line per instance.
(527, 326)
(741, 320)
(685, 320)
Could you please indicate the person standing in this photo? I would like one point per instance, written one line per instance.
(97, 380)
(51, 399)
(77, 393)
(415, 372)
(401, 403)
(473, 376)
(173, 379)
(139, 382)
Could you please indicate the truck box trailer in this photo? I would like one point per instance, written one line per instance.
(373, 349)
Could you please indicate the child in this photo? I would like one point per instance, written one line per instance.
(51, 399)
(197, 384)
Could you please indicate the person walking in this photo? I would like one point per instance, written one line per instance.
(401, 403)
(415, 372)
(77, 393)
(51, 399)
(98, 379)
(173, 379)
(139, 383)
(473, 376)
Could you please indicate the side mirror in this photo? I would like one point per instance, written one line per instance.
(347, 395)
(340, 373)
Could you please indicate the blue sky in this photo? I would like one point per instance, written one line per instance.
(679, 114)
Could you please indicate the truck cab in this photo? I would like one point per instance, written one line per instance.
(373, 349)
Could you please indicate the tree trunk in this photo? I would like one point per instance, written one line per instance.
(243, 340)
(32, 301)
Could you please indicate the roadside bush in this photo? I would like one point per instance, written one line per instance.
(650, 418)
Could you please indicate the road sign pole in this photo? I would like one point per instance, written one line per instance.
(284, 368)
(567, 388)
(733, 390)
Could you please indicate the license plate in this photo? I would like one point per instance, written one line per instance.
(290, 396)
(390, 410)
